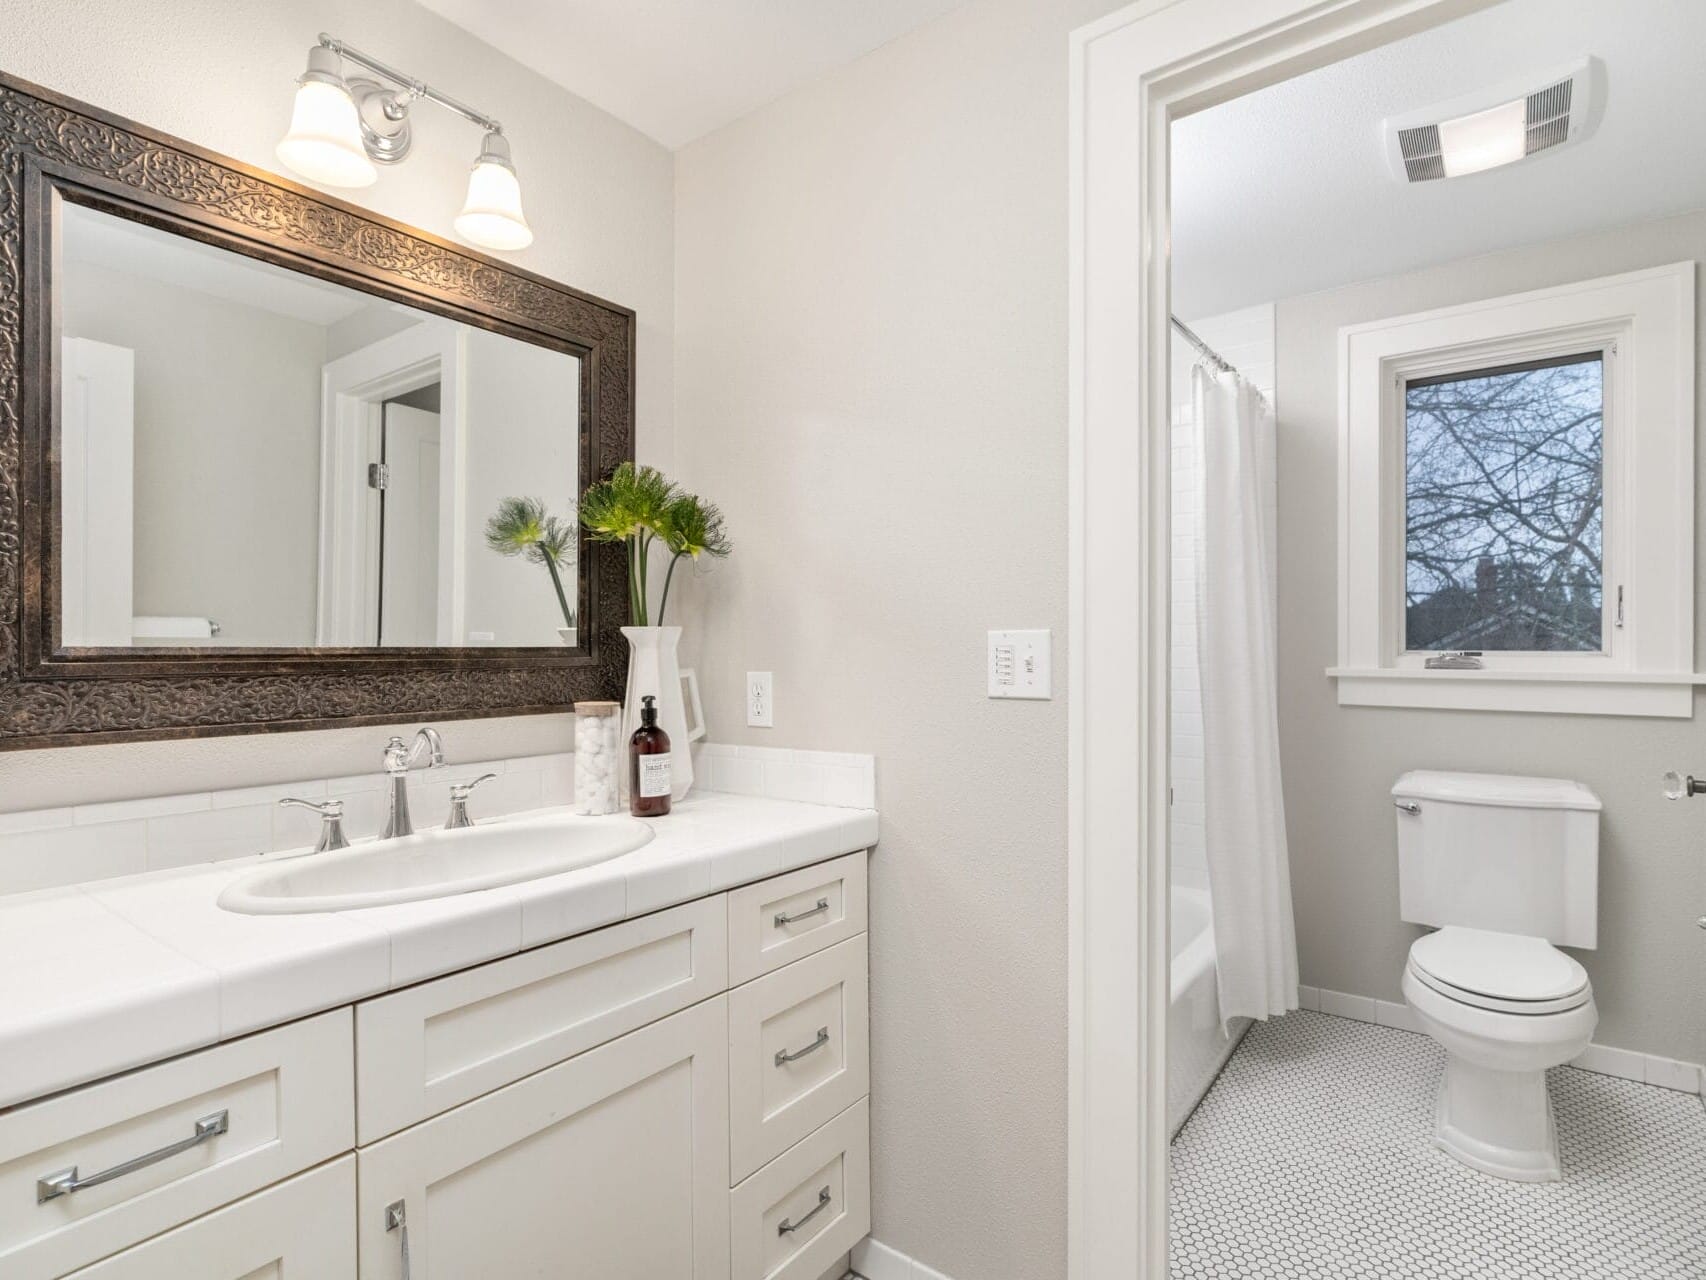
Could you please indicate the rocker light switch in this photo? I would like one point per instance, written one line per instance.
(1019, 664)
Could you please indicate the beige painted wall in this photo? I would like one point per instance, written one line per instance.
(227, 437)
(871, 378)
(1649, 971)
(599, 194)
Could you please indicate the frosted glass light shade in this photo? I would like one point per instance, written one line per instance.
(324, 142)
(491, 217)
(1484, 140)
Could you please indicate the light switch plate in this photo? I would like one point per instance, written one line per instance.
(1019, 664)
(760, 713)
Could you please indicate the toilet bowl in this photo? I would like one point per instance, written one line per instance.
(1505, 1008)
(1504, 870)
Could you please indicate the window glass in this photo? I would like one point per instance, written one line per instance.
(1503, 507)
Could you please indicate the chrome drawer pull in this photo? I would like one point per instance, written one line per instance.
(782, 918)
(788, 1228)
(397, 1219)
(783, 1057)
(66, 1181)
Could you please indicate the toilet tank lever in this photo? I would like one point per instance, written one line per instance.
(1408, 806)
(1680, 787)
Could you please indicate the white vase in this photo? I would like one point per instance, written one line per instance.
(654, 669)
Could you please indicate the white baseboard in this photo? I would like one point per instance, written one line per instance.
(1626, 1064)
(876, 1261)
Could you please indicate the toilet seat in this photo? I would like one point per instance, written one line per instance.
(1500, 972)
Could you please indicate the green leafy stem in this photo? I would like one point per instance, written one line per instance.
(638, 506)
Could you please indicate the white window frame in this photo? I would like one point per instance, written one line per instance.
(1643, 324)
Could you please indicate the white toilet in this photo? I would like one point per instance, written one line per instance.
(1505, 868)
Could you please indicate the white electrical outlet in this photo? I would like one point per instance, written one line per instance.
(1019, 664)
(759, 711)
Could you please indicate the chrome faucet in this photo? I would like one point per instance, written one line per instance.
(399, 759)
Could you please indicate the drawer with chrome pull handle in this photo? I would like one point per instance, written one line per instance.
(798, 1052)
(799, 1213)
(789, 917)
(89, 1172)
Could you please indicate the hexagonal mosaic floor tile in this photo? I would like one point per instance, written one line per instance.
(1312, 1158)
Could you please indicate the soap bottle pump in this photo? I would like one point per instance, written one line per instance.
(649, 781)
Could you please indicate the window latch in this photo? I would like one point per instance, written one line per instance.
(1455, 660)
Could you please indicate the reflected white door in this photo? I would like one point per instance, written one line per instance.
(97, 450)
(408, 609)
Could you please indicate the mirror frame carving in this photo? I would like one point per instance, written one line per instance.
(54, 149)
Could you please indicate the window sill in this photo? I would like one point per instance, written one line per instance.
(1556, 692)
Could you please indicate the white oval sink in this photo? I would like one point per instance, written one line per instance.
(433, 864)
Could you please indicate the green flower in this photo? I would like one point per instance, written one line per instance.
(521, 527)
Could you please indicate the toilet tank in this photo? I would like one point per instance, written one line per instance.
(1489, 851)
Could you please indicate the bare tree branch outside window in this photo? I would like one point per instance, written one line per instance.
(1503, 505)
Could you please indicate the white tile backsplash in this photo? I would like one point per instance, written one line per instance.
(846, 780)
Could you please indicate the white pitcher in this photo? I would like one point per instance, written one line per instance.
(654, 669)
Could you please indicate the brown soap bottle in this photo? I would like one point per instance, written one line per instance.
(649, 781)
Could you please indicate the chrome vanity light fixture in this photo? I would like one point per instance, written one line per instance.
(341, 128)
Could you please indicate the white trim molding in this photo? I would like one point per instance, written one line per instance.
(1132, 74)
(873, 1260)
(1643, 326)
(1625, 1064)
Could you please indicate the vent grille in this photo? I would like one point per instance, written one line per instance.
(1420, 148)
(1549, 116)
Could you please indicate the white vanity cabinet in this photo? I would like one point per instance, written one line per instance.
(681, 1096)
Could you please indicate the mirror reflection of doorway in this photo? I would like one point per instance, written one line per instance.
(407, 479)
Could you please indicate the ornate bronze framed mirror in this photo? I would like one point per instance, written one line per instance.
(252, 439)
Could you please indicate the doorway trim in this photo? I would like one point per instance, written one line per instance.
(354, 389)
(1132, 74)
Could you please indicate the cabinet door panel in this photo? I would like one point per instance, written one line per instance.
(610, 1166)
(303, 1229)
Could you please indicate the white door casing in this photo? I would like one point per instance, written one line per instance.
(353, 389)
(1132, 73)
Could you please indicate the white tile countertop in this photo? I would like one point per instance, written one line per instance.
(99, 978)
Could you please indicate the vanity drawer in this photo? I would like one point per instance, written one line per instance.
(269, 1105)
(799, 1052)
(778, 921)
(793, 1218)
(304, 1227)
(426, 1049)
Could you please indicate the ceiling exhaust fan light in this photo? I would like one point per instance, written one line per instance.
(491, 216)
(1485, 140)
(324, 141)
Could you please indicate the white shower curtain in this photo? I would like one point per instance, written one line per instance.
(1249, 878)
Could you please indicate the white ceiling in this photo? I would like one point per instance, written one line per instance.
(1288, 191)
(677, 69)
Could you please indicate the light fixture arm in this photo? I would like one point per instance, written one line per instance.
(409, 87)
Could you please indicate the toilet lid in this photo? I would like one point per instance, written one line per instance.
(1510, 968)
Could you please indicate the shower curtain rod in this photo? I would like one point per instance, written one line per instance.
(1207, 352)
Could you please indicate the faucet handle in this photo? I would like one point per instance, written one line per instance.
(459, 793)
(331, 821)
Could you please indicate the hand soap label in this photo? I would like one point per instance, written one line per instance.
(654, 775)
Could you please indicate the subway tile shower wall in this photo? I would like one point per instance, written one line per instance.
(44, 848)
